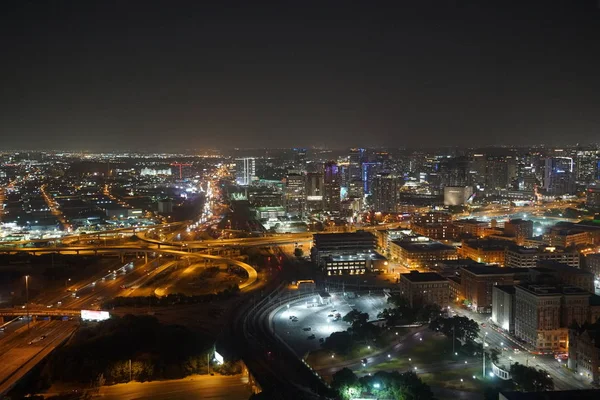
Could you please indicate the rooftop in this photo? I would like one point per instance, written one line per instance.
(417, 276)
(492, 270)
(422, 246)
(551, 290)
(510, 289)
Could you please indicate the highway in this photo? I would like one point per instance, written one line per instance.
(22, 349)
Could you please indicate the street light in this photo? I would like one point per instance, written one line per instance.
(68, 280)
(27, 298)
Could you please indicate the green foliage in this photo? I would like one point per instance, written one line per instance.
(170, 299)
(529, 379)
(462, 328)
(355, 318)
(339, 342)
(393, 385)
(156, 351)
(402, 313)
(494, 355)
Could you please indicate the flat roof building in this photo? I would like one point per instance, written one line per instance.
(421, 288)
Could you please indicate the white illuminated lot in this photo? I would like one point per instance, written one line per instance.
(319, 321)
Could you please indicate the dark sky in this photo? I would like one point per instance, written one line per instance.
(179, 75)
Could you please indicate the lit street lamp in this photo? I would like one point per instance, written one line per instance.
(27, 298)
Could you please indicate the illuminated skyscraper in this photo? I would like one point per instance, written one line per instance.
(245, 171)
(295, 185)
(386, 191)
(331, 187)
(559, 175)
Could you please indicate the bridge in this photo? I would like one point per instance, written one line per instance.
(37, 312)
(136, 249)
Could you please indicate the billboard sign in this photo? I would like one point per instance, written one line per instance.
(92, 315)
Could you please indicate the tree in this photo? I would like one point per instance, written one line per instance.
(298, 252)
(345, 382)
(338, 342)
(494, 355)
(356, 319)
(461, 328)
(529, 379)
(406, 386)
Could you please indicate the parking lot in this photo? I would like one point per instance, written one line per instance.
(321, 318)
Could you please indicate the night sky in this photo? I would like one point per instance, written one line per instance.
(149, 75)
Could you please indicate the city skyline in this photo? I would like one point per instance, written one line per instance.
(99, 76)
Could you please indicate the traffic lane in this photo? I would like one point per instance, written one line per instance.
(204, 387)
(54, 296)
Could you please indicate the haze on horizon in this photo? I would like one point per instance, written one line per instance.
(150, 76)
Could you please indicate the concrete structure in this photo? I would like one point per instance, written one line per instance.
(353, 264)
(294, 194)
(419, 254)
(559, 176)
(528, 257)
(484, 250)
(340, 244)
(592, 262)
(477, 282)
(558, 236)
(565, 274)
(245, 170)
(435, 225)
(165, 206)
(584, 350)
(457, 195)
(385, 192)
(314, 191)
(503, 307)
(472, 227)
(593, 196)
(331, 188)
(543, 313)
(520, 229)
(421, 288)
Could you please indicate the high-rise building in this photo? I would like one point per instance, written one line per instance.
(499, 171)
(520, 229)
(245, 170)
(593, 196)
(300, 159)
(386, 192)
(295, 197)
(331, 187)
(559, 175)
(357, 158)
(314, 191)
(455, 171)
(369, 172)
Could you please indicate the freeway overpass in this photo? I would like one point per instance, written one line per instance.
(38, 312)
(136, 249)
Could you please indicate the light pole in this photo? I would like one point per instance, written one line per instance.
(67, 281)
(27, 298)
(483, 351)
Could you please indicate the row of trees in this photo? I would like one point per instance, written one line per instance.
(360, 330)
(133, 346)
(171, 299)
(403, 314)
(388, 385)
